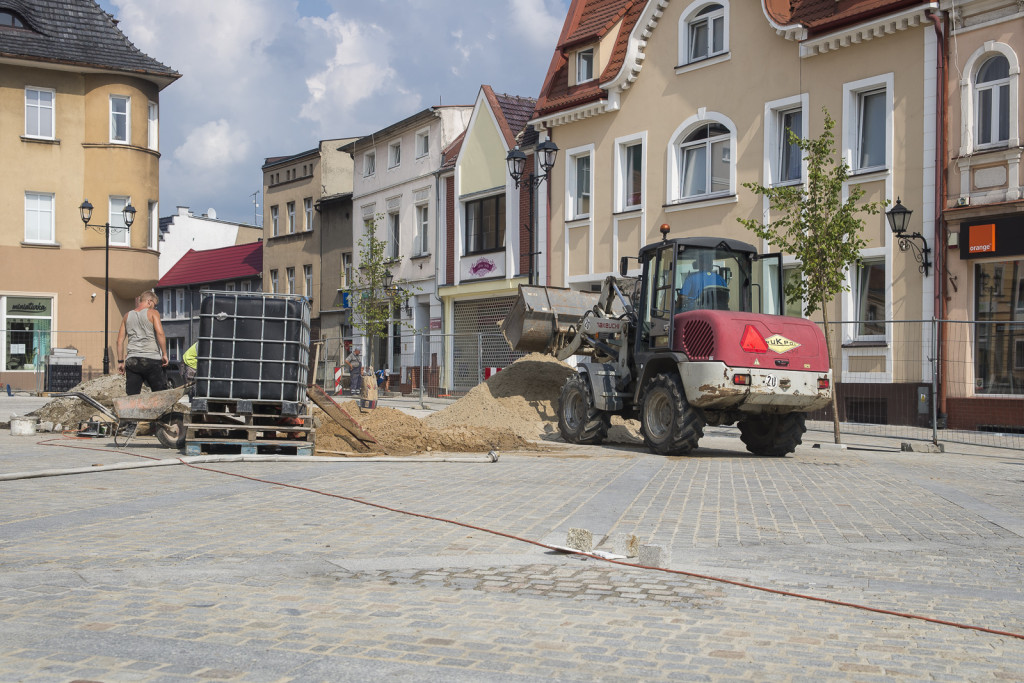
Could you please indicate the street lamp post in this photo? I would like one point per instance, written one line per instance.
(516, 161)
(85, 209)
(898, 217)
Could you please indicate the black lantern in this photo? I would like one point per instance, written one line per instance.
(899, 218)
(547, 152)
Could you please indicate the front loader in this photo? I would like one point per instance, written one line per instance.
(696, 339)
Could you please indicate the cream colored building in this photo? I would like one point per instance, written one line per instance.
(663, 109)
(79, 119)
(293, 240)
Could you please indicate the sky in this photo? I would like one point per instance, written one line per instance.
(266, 78)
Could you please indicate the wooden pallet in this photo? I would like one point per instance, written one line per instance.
(230, 447)
(244, 421)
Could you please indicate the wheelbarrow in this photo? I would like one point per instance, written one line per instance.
(155, 407)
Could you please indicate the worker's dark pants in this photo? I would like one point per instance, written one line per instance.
(148, 370)
(357, 376)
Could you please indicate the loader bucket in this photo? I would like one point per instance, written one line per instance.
(541, 318)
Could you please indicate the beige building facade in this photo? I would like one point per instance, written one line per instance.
(75, 124)
(664, 113)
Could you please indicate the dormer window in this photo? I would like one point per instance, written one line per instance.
(703, 32)
(585, 65)
(11, 19)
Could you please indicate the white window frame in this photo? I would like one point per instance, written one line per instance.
(421, 246)
(154, 125)
(291, 216)
(307, 209)
(622, 182)
(969, 97)
(853, 101)
(394, 235)
(774, 142)
(369, 163)
(346, 269)
(39, 215)
(689, 18)
(573, 198)
(154, 224)
(179, 302)
(120, 235)
(394, 155)
(127, 114)
(307, 278)
(289, 274)
(168, 307)
(42, 112)
(273, 281)
(275, 225)
(874, 259)
(585, 65)
(422, 143)
(675, 158)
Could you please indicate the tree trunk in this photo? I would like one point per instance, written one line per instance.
(828, 350)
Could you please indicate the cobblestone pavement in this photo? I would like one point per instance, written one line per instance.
(182, 574)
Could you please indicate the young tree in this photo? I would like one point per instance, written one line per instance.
(812, 223)
(374, 297)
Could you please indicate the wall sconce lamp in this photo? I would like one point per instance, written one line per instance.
(899, 217)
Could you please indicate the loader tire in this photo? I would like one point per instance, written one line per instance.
(170, 431)
(669, 424)
(578, 420)
(773, 435)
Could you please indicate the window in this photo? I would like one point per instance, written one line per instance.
(422, 143)
(39, 225)
(25, 324)
(154, 126)
(790, 155)
(631, 175)
(179, 303)
(307, 277)
(369, 164)
(870, 299)
(246, 286)
(307, 208)
(703, 33)
(579, 186)
(290, 273)
(394, 228)
(154, 225)
(992, 101)
(174, 347)
(999, 327)
(229, 286)
(273, 282)
(119, 233)
(9, 18)
(585, 65)
(422, 227)
(871, 117)
(346, 269)
(39, 113)
(791, 308)
(705, 162)
(120, 119)
(394, 154)
(168, 304)
(291, 217)
(274, 230)
(485, 224)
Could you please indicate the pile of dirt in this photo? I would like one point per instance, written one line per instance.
(398, 433)
(71, 410)
(522, 398)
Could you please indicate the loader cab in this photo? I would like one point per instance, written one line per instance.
(703, 273)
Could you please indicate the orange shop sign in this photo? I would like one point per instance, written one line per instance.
(981, 238)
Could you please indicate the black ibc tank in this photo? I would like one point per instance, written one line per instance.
(253, 346)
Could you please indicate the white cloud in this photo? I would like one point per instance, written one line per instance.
(535, 23)
(213, 145)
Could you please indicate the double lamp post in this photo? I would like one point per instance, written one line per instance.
(547, 151)
(128, 213)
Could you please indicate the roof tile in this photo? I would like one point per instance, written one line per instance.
(214, 265)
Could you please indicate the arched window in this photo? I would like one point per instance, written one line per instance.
(703, 32)
(992, 101)
(705, 161)
(9, 18)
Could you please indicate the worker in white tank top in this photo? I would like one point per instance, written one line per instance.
(142, 347)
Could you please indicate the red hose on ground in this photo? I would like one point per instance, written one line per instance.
(680, 572)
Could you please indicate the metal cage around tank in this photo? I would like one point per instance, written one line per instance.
(253, 346)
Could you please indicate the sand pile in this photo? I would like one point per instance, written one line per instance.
(70, 410)
(522, 398)
(401, 434)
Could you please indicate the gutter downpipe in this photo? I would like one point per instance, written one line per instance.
(941, 29)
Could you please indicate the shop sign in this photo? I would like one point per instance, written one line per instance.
(20, 307)
(435, 323)
(992, 237)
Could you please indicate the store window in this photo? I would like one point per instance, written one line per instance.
(26, 324)
(999, 328)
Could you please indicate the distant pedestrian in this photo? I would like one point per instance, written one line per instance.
(142, 347)
(354, 361)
